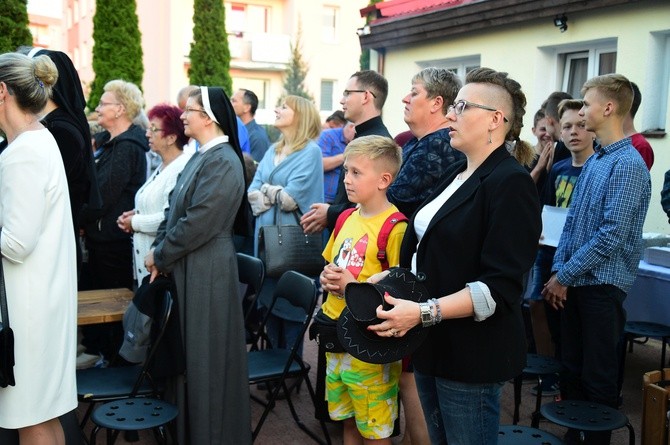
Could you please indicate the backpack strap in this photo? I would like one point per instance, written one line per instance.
(383, 237)
(341, 219)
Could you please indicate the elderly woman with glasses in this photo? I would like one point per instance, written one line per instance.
(167, 139)
(195, 245)
(471, 243)
(121, 169)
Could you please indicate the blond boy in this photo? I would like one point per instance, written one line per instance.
(366, 398)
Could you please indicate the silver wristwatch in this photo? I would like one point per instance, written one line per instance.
(426, 315)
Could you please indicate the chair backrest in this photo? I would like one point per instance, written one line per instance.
(162, 316)
(294, 299)
(296, 289)
(251, 271)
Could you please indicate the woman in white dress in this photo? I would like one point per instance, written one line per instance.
(38, 256)
(166, 139)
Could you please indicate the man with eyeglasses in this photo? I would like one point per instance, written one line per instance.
(362, 102)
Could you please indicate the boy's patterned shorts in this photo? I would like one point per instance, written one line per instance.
(366, 391)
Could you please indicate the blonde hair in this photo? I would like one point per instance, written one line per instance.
(377, 148)
(127, 94)
(306, 125)
(615, 87)
(30, 81)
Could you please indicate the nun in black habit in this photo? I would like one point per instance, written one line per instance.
(195, 244)
(64, 117)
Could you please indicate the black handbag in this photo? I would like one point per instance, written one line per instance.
(288, 247)
(6, 338)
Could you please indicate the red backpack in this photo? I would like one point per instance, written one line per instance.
(384, 233)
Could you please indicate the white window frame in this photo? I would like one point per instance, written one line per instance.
(333, 99)
(461, 66)
(326, 35)
(655, 107)
(592, 52)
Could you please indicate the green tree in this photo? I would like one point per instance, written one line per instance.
(117, 52)
(365, 54)
(210, 55)
(294, 76)
(14, 30)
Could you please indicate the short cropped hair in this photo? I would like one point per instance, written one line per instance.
(376, 148)
(439, 82)
(550, 106)
(637, 100)
(171, 123)
(376, 83)
(128, 94)
(337, 116)
(250, 99)
(614, 87)
(569, 104)
(539, 115)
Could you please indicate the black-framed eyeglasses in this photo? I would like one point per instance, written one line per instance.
(104, 104)
(346, 93)
(154, 129)
(193, 110)
(461, 105)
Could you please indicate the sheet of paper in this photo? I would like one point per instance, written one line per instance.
(553, 220)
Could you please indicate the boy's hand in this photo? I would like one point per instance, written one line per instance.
(335, 278)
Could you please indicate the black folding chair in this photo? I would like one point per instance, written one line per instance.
(251, 271)
(274, 366)
(95, 385)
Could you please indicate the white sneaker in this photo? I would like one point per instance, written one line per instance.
(85, 360)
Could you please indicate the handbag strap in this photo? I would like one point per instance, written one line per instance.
(297, 214)
(3, 297)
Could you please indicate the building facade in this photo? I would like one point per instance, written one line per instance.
(260, 33)
(529, 39)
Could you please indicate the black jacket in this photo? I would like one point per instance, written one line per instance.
(121, 168)
(487, 231)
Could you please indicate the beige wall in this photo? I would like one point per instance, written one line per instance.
(526, 53)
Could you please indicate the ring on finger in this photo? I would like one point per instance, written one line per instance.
(393, 332)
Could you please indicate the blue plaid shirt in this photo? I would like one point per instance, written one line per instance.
(602, 238)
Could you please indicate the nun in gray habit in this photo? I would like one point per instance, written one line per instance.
(195, 245)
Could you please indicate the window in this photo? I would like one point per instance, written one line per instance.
(329, 24)
(327, 92)
(580, 66)
(461, 66)
(260, 87)
(241, 19)
(654, 87)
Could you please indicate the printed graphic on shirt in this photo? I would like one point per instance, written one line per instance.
(350, 258)
(565, 185)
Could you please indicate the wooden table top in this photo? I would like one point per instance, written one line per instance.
(102, 306)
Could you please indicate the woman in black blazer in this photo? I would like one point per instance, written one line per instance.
(471, 242)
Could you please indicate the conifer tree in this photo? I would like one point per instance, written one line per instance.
(117, 52)
(210, 55)
(14, 30)
(294, 76)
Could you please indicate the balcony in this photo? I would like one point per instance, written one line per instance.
(262, 52)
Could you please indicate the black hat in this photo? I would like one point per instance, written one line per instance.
(362, 301)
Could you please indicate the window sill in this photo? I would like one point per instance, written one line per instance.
(654, 134)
